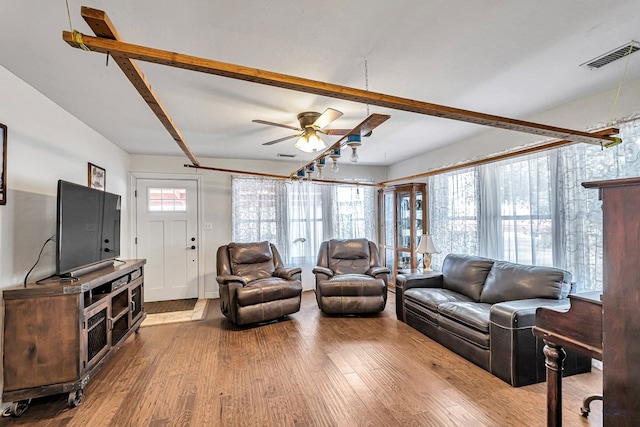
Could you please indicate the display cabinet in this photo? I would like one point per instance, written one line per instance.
(58, 334)
(402, 221)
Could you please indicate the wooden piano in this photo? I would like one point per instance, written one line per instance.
(609, 329)
(579, 329)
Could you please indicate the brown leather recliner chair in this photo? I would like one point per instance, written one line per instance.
(255, 286)
(349, 277)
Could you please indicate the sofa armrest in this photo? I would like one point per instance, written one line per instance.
(375, 271)
(327, 272)
(408, 281)
(522, 313)
(424, 280)
(226, 279)
(516, 354)
(287, 273)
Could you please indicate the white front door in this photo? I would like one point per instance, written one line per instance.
(166, 235)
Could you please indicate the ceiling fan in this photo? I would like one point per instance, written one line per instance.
(311, 123)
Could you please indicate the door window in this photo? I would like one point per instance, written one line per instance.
(167, 199)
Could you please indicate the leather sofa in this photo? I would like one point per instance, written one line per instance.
(349, 277)
(484, 310)
(255, 286)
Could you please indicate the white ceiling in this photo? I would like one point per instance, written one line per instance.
(509, 58)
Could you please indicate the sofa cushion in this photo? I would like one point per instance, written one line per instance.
(465, 274)
(452, 327)
(509, 281)
(268, 289)
(349, 249)
(251, 261)
(351, 285)
(473, 315)
(431, 298)
(349, 256)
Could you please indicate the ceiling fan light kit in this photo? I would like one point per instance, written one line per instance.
(310, 142)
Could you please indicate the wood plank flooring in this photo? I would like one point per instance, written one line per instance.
(309, 370)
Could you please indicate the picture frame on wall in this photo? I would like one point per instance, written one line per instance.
(3, 172)
(97, 177)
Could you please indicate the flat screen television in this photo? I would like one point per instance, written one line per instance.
(87, 229)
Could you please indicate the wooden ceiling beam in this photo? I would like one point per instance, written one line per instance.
(102, 26)
(178, 60)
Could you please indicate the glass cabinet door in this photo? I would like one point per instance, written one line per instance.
(419, 217)
(389, 231)
(403, 204)
(402, 219)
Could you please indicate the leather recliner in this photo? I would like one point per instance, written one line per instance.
(349, 277)
(255, 286)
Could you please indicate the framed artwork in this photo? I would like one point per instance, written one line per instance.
(3, 172)
(97, 177)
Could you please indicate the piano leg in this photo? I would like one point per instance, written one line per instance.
(554, 362)
(586, 403)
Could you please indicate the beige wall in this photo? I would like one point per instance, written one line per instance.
(45, 144)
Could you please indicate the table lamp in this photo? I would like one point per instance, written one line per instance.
(426, 247)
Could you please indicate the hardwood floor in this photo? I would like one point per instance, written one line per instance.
(309, 370)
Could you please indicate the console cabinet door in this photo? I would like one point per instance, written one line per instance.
(41, 337)
(95, 343)
(137, 300)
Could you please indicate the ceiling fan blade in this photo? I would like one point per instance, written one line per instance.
(369, 124)
(275, 141)
(327, 117)
(335, 131)
(264, 122)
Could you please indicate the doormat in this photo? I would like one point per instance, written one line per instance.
(198, 312)
(170, 305)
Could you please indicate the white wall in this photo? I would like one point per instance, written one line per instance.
(45, 144)
(217, 194)
(581, 114)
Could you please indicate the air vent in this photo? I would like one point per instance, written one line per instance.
(615, 54)
(290, 156)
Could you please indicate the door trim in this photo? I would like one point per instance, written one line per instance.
(135, 176)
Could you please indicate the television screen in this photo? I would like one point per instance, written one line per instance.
(88, 227)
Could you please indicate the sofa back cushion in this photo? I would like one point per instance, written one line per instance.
(349, 256)
(465, 274)
(251, 260)
(509, 281)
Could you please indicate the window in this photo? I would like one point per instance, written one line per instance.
(499, 210)
(298, 216)
(167, 200)
(533, 209)
(454, 212)
(525, 210)
(257, 211)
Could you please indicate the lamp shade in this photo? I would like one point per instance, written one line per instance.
(310, 142)
(426, 245)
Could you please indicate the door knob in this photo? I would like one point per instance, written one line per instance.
(192, 247)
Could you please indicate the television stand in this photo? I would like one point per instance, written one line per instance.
(58, 335)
